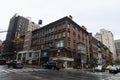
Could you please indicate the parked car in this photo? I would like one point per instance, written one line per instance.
(51, 65)
(15, 64)
(118, 68)
(108, 67)
(100, 68)
(113, 69)
(2, 61)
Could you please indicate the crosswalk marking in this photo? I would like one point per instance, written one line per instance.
(5, 71)
(20, 70)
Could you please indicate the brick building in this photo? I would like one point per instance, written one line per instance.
(62, 40)
(59, 40)
(99, 53)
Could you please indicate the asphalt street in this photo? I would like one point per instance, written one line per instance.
(44, 74)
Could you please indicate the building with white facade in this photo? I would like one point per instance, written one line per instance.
(27, 55)
(106, 37)
(117, 46)
(98, 36)
(0, 42)
(32, 26)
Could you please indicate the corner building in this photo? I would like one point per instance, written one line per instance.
(59, 41)
(17, 24)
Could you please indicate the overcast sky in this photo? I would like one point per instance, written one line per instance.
(93, 14)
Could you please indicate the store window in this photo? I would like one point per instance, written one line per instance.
(60, 43)
(30, 54)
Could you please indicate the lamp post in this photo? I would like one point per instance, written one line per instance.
(39, 53)
(58, 55)
(82, 64)
(58, 52)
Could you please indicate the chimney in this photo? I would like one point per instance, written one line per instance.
(70, 17)
(40, 22)
(84, 27)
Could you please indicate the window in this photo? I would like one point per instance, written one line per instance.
(52, 29)
(74, 45)
(49, 37)
(44, 54)
(68, 44)
(79, 47)
(74, 35)
(60, 43)
(30, 54)
(68, 34)
(55, 28)
(68, 26)
(46, 31)
(83, 37)
(79, 38)
(56, 36)
(63, 34)
(24, 55)
(59, 35)
(52, 36)
(46, 38)
(63, 26)
(49, 30)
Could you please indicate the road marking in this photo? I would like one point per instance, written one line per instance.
(20, 70)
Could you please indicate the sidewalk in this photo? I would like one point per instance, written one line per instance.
(32, 66)
(68, 69)
(78, 70)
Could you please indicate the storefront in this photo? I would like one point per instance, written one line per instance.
(29, 57)
(63, 56)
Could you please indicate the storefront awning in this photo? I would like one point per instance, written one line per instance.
(29, 51)
(63, 59)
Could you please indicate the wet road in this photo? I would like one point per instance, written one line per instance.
(65, 75)
(42, 74)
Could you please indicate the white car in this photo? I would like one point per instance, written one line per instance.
(100, 68)
(113, 69)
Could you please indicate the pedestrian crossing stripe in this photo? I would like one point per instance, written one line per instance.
(20, 70)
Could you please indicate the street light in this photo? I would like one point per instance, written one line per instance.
(58, 53)
(39, 53)
(82, 64)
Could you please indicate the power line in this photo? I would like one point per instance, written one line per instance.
(2, 28)
(3, 31)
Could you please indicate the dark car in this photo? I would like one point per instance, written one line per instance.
(51, 65)
(15, 64)
(2, 61)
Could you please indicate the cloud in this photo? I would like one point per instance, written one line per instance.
(94, 14)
